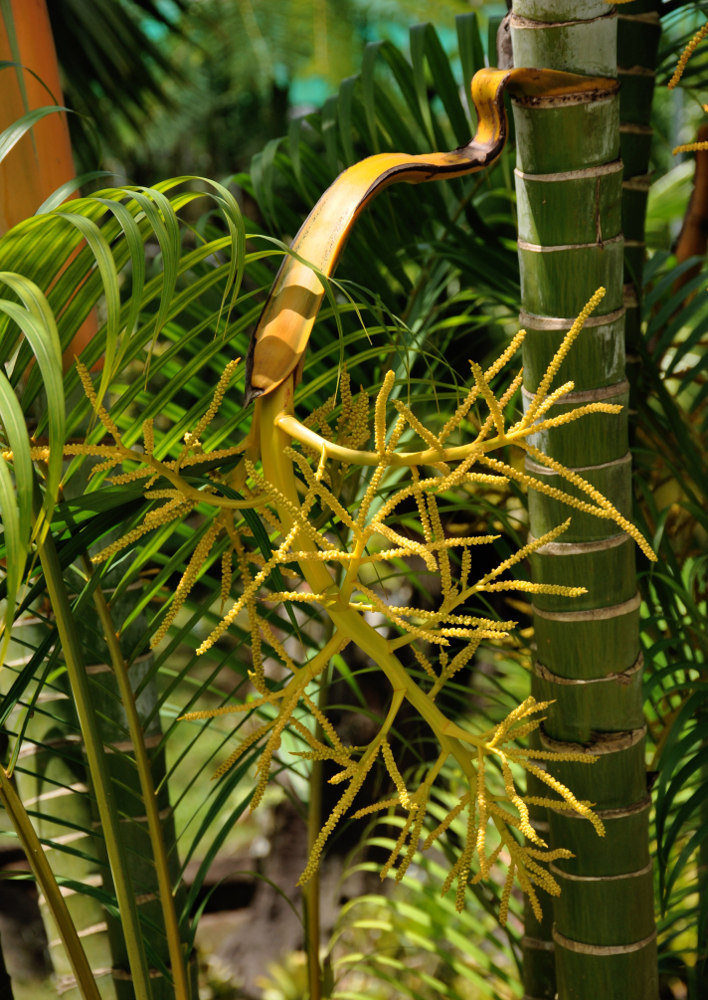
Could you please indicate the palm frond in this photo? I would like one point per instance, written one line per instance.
(114, 70)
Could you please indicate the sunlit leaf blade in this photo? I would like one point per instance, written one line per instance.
(37, 323)
(16, 497)
(13, 133)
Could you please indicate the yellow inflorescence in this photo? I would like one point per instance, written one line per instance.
(690, 147)
(686, 55)
(340, 551)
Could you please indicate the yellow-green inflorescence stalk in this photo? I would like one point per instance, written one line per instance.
(331, 551)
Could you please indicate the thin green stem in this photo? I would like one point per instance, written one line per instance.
(311, 890)
(180, 977)
(100, 777)
(44, 875)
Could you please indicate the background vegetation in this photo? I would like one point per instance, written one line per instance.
(219, 90)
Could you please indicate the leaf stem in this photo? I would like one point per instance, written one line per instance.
(44, 875)
(95, 755)
(167, 902)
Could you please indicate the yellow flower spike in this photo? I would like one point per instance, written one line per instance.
(194, 568)
(149, 435)
(686, 55)
(444, 567)
(396, 777)
(460, 413)
(690, 147)
(514, 385)
(274, 642)
(550, 400)
(413, 838)
(507, 354)
(109, 465)
(375, 807)
(452, 815)
(421, 506)
(489, 398)
(482, 814)
(347, 771)
(562, 353)
(516, 800)
(569, 417)
(325, 494)
(319, 417)
(463, 873)
(398, 429)
(267, 698)
(396, 850)
(357, 780)
(548, 855)
(345, 394)
(523, 553)
(226, 576)
(423, 433)
(603, 506)
(245, 745)
(216, 401)
(565, 793)
(125, 477)
(380, 412)
(409, 544)
(540, 875)
(164, 515)
(326, 726)
(506, 895)
(318, 750)
(99, 409)
(458, 662)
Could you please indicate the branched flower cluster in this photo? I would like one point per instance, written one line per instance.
(334, 551)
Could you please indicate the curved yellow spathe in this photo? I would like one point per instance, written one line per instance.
(280, 338)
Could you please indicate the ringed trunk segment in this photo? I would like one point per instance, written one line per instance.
(569, 191)
(51, 780)
(283, 331)
(121, 758)
(638, 35)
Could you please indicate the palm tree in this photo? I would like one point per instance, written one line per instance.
(37, 170)
(588, 657)
(183, 373)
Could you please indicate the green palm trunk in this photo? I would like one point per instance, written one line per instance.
(638, 33)
(569, 189)
(51, 780)
(54, 784)
(134, 833)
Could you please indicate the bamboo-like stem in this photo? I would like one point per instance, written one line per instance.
(159, 853)
(37, 859)
(45, 757)
(638, 35)
(98, 769)
(590, 667)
